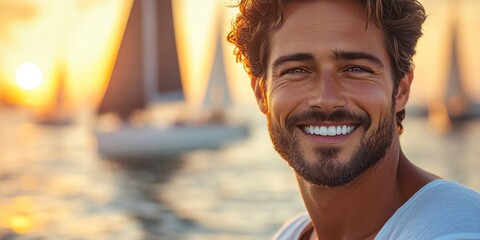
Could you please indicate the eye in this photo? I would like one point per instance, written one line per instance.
(294, 71)
(358, 69)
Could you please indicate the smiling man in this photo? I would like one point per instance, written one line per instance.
(333, 78)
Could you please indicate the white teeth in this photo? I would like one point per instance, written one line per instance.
(323, 131)
(329, 131)
(332, 131)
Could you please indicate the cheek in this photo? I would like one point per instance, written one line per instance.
(377, 97)
(375, 101)
(282, 101)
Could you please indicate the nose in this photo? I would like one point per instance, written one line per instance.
(327, 93)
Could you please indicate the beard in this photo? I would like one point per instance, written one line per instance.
(326, 169)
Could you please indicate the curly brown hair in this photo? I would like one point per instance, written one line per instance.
(400, 20)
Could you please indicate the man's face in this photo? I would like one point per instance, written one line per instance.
(328, 92)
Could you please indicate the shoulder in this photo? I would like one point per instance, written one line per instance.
(448, 196)
(443, 196)
(440, 208)
(294, 228)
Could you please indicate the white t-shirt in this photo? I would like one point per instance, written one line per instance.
(441, 210)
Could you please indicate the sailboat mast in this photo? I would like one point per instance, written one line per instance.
(169, 82)
(161, 68)
(149, 48)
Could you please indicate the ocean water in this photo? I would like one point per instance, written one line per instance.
(53, 185)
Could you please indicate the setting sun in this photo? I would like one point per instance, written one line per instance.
(29, 76)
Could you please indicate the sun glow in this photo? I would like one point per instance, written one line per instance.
(87, 39)
(79, 50)
(29, 76)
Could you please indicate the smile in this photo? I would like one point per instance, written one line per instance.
(329, 130)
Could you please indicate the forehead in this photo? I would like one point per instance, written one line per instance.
(330, 25)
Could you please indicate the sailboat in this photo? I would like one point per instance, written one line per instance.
(456, 106)
(146, 73)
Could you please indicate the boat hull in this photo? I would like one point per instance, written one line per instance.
(143, 143)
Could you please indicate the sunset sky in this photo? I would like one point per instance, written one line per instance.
(77, 40)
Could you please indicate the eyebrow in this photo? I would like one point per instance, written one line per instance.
(301, 57)
(354, 55)
(337, 55)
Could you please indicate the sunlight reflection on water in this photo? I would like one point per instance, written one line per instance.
(53, 185)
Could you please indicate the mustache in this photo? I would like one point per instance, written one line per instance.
(334, 116)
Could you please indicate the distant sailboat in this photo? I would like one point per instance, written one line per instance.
(458, 105)
(147, 71)
(456, 100)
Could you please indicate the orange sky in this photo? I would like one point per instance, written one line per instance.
(73, 39)
(88, 34)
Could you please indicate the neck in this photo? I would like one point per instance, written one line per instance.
(358, 210)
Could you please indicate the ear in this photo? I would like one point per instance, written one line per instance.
(403, 91)
(259, 91)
